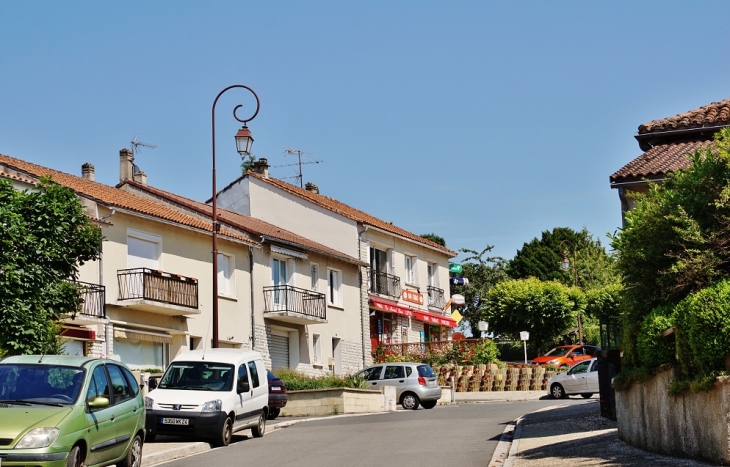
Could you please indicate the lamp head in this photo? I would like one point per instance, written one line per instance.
(565, 263)
(244, 141)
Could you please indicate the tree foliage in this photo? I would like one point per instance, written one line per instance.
(45, 237)
(676, 240)
(541, 258)
(544, 308)
(483, 274)
(435, 238)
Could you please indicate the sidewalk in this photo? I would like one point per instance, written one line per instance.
(574, 435)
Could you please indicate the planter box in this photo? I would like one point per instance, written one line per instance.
(338, 401)
(694, 425)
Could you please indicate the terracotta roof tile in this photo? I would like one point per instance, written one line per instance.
(18, 178)
(350, 212)
(115, 197)
(715, 114)
(246, 223)
(659, 161)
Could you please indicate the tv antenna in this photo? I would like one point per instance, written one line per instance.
(136, 144)
(299, 154)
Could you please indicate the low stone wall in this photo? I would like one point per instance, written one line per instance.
(487, 378)
(695, 425)
(338, 401)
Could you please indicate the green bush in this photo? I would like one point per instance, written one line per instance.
(653, 349)
(297, 381)
(705, 330)
(485, 352)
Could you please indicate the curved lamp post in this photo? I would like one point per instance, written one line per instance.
(244, 140)
(565, 264)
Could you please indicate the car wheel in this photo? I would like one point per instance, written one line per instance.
(134, 455)
(428, 404)
(224, 439)
(410, 401)
(74, 457)
(557, 391)
(586, 396)
(274, 412)
(260, 428)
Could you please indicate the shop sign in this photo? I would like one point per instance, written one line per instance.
(455, 268)
(413, 297)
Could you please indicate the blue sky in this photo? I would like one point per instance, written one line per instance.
(483, 122)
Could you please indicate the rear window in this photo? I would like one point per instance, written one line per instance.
(426, 371)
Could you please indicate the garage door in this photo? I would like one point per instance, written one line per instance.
(279, 351)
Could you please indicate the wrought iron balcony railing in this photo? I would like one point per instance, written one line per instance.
(92, 298)
(293, 299)
(436, 297)
(384, 284)
(158, 286)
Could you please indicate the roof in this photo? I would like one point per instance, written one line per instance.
(659, 161)
(715, 114)
(349, 212)
(114, 197)
(247, 223)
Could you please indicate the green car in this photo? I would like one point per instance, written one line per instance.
(62, 411)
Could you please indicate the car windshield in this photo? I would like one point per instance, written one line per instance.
(558, 352)
(426, 371)
(40, 383)
(198, 376)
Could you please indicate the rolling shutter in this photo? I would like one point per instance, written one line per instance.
(279, 351)
(141, 253)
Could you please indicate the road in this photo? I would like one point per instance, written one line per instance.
(462, 434)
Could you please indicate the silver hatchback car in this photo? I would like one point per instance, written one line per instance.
(416, 383)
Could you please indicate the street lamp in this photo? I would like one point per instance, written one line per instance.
(244, 140)
(565, 264)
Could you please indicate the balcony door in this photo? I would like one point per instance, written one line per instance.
(378, 269)
(279, 278)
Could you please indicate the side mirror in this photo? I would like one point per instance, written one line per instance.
(152, 383)
(242, 386)
(99, 402)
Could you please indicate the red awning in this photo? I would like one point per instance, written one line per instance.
(78, 333)
(424, 316)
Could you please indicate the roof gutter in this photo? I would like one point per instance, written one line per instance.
(645, 139)
(425, 245)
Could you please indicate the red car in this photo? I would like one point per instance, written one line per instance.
(567, 355)
(277, 395)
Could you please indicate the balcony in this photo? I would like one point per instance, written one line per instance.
(158, 292)
(436, 297)
(294, 305)
(384, 284)
(92, 304)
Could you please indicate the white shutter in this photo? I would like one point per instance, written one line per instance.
(142, 253)
(224, 275)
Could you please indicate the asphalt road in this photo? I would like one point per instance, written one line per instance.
(462, 434)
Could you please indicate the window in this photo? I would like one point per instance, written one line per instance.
(334, 286)
(280, 274)
(225, 274)
(254, 374)
(143, 250)
(316, 350)
(122, 391)
(314, 275)
(394, 371)
(432, 275)
(98, 387)
(410, 269)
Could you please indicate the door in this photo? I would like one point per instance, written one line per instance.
(279, 279)
(575, 380)
(279, 351)
(100, 422)
(395, 375)
(372, 376)
(592, 377)
(243, 400)
(126, 406)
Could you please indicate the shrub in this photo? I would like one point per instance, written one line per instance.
(485, 352)
(653, 350)
(297, 381)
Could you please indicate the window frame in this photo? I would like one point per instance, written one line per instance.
(231, 279)
(334, 293)
(411, 271)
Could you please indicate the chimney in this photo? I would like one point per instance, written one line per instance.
(87, 171)
(126, 164)
(261, 167)
(312, 187)
(140, 177)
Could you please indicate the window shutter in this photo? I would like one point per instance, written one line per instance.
(142, 254)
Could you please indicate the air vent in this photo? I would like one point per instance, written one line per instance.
(5, 441)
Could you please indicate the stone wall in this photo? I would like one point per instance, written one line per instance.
(339, 401)
(694, 425)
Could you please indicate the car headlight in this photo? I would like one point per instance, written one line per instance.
(148, 403)
(38, 438)
(212, 406)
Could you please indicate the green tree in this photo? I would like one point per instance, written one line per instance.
(547, 309)
(247, 161)
(435, 238)
(483, 273)
(541, 258)
(675, 241)
(45, 237)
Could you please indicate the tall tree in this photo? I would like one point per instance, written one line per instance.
(483, 273)
(435, 238)
(541, 258)
(45, 237)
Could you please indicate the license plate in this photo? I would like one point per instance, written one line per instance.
(432, 384)
(175, 421)
(275, 388)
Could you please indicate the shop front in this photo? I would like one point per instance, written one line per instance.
(397, 324)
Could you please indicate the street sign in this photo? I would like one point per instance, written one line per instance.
(455, 268)
(463, 281)
(456, 316)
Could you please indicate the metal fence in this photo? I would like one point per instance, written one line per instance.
(384, 284)
(158, 286)
(436, 297)
(92, 298)
(296, 300)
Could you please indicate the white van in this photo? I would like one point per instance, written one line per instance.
(210, 394)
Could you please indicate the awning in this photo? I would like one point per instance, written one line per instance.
(78, 333)
(424, 316)
(121, 333)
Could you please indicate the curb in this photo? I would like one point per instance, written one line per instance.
(506, 451)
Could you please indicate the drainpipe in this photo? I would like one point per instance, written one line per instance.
(250, 275)
(101, 282)
(362, 310)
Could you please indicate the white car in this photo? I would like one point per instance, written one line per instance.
(581, 378)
